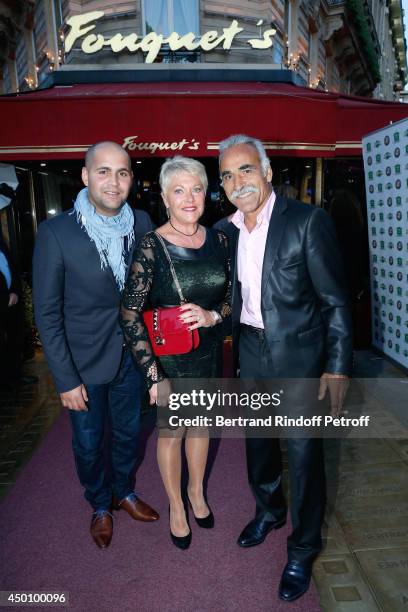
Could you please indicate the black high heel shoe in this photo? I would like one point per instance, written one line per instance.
(182, 542)
(207, 522)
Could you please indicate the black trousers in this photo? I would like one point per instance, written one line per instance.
(11, 342)
(264, 461)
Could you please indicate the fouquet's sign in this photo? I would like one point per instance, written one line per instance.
(132, 144)
(81, 27)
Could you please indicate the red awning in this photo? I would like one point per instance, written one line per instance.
(162, 119)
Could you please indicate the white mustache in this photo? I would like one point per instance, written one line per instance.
(244, 191)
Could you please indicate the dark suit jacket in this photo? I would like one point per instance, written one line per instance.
(76, 303)
(304, 303)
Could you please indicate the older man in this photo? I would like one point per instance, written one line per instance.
(291, 319)
(80, 266)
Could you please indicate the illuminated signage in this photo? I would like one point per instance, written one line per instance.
(130, 144)
(81, 27)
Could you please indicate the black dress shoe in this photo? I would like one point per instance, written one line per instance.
(207, 522)
(295, 580)
(182, 542)
(256, 531)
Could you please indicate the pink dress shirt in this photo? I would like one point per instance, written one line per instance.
(251, 250)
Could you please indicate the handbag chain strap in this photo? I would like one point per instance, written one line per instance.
(172, 270)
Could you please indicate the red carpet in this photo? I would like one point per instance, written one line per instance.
(45, 542)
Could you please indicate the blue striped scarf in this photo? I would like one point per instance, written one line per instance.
(108, 234)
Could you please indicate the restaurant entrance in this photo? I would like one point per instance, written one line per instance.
(49, 188)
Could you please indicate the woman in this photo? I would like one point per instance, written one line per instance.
(200, 259)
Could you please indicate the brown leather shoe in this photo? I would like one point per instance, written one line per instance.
(102, 528)
(136, 508)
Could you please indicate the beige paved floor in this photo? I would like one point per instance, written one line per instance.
(364, 565)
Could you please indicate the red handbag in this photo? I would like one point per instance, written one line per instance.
(168, 335)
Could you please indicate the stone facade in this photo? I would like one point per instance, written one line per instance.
(337, 45)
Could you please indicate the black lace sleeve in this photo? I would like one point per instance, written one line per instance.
(134, 299)
(224, 308)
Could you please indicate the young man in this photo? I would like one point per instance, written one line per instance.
(80, 266)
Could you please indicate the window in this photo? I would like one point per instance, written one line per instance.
(21, 62)
(278, 50)
(288, 18)
(58, 13)
(40, 40)
(7, 88)
(167, 16)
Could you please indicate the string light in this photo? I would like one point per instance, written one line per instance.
(319, 81)
(31, 82)
(293, 61)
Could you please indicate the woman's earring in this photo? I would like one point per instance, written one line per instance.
(168, 212)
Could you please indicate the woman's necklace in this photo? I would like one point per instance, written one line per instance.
(184, 234)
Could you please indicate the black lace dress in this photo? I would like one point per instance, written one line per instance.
(204, 276)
